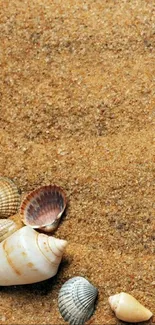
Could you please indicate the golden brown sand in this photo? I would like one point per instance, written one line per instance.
(78, 109)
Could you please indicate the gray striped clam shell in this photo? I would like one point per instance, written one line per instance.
(9, 197)
(76, 300)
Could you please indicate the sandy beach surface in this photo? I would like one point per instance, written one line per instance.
(77, 103)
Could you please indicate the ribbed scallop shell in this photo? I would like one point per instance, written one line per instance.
(9, 197)
(43, 207)
(7, 227)
(76, 300)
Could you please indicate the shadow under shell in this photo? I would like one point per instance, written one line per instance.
(43, 207)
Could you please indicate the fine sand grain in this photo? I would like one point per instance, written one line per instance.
(77, 103)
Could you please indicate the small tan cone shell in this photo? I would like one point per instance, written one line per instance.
(128, 309)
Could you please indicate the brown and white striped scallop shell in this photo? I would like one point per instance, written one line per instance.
(43, 207)
(9, 197)
(7, 227)
(76, 300)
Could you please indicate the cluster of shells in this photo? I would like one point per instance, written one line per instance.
(29, 256)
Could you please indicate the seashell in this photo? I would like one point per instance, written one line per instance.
(9, 197)
(28, 257)
(43, 207)
(76, 300)
(128, 309)
(7, 227)
(17, 219)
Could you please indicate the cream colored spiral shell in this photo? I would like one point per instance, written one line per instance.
(28, 256)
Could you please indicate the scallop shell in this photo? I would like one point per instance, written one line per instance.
(129, 309)
(7, 227)
(9, 197)
(76, 300)
(43, 207)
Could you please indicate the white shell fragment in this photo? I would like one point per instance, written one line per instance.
(76, 300)
(7, 227)
(9, 197)
(28, 257)
(128, 309)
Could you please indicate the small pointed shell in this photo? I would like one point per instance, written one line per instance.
(43, 207)
(76, 300)
(28, 257)
(9, 197)
(128, 309)
(7, 227)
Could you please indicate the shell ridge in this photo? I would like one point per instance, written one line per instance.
(9, 197)
(7, 227)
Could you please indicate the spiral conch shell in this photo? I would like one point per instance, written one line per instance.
(28, 257)
(128, 309)
(43, 207)
(9, 197)
(76, 300)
